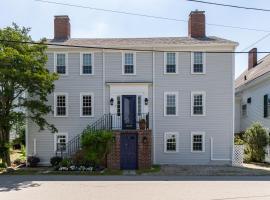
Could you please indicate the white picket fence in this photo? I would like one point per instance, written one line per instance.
(238, 158)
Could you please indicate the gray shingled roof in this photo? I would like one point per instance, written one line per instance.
(154, 41)
(260, 69)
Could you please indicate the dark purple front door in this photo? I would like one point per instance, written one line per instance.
(128, 151)
(129, 111)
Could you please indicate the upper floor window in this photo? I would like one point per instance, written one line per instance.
(170, 142)
(198, 103)
(86, 105)
(170, 63)
(197, 142)
(170, 103)
(244, 110)
(60, 103)
(61, 63)
(198, 66)
(129, 64)
(86, 64)
(266, 105)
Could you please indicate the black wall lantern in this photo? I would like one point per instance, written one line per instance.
(111, 101)
(146, 101)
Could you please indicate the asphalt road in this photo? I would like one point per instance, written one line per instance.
(134, 188)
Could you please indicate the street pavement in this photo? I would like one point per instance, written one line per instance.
(52, 187)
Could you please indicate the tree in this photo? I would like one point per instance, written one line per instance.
(24, 83)
(256, 139)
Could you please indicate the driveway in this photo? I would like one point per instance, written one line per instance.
(134, 187)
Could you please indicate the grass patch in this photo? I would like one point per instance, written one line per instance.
(153, 169)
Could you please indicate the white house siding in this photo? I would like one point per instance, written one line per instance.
(255, 109)
(217, 83)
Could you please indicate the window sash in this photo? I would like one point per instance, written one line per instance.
(61, 143)
(61, 105)
(244, 110)
(61, 63)
(171, 104)
(198, 104)
(197, 142)
(170, 62)
(129, 63)
(198, 62)
(170, 142)
(87, 64)
(86, 105)
(129, 69)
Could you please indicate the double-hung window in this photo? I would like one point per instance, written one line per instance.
(129, 64)
(171, 142)
(60, 102)
(60, 142)
(170, 103)
(197, 141)
(198, 60)
(198, 103)
(61, 63)
(86, 63)
(86, 105)
(170, 63)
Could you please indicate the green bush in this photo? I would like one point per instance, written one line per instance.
(256, 139)
(238, 140)
(79, 159)
(56, 160)
(66, 162)
(96, 145)
(2, 165)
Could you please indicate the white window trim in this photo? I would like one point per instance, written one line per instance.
(203, 93)
(81, 63)
(204, 63)
(92, 100)
(55, 103)
(66, 62)
(165, 103)
(55, 140)
(203, 141)
(123, 63)
(176, 139)
(165, 63)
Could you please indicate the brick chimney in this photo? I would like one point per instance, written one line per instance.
(61, 27)
(196, 24)
(252, 58)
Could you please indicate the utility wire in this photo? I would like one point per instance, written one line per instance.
(256, 42)
(148, 16)
(232, 6)
(121, 49)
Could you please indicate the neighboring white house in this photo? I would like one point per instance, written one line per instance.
(252, 93)
(184, 84)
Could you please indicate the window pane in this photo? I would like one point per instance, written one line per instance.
(170, 142)
(61, 64)
(171, 63)
(198, 104)
(86, 105)
(244, 110)
(171, 104)
(198, 62)
(197, 143)
(87, 64)
(129, 69)
(61, 105)
(128, 58)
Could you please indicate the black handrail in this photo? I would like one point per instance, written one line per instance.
(106, 122)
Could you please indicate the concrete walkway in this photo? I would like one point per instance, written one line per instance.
(134, 187)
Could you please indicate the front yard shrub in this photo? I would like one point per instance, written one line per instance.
(256, 139)
(2, 165)
(33, 161)
(238, 140)
(55, 161)
(79, 159)
(96, 145)
(66, 162)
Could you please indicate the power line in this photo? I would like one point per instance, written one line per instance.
(232, 6)
(257, 41)
(148, 16)
(122, 49)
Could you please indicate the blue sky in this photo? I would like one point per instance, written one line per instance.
(90, 23)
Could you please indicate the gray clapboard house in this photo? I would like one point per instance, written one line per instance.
(182, 86)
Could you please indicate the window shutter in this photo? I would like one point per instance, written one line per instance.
(265, 104)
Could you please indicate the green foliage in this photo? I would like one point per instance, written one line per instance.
(96, 145)
(79, 159)
(33, 161)
(238, 140)
(66, 162)
(56, 160)
(2, 165)
(24, 82)
(256, 139)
